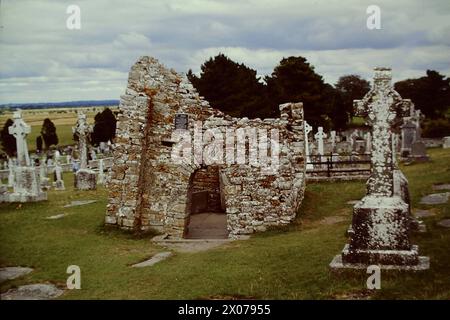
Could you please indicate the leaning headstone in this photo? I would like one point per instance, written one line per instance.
(308, 129)
(381, 220)
(85, 179)
(26, 180)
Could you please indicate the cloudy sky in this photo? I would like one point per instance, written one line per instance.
(41, 60)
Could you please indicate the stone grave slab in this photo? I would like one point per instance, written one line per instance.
(153, 260)
(10, 273)
(423, 213)
(55, 217)
(79, 203)
(435, 198)
(38, 291)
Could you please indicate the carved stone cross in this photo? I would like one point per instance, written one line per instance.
(82, 129)
(20, 130)
(383, 109)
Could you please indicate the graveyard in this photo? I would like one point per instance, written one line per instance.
(163, 218)
(288, 263)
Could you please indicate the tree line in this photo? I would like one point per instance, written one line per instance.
(237, 90)
(104, 130)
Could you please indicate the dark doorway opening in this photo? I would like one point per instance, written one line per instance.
(207, 218)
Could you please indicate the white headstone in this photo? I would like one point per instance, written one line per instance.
(59, 183)
(20, 130)
(320, 135)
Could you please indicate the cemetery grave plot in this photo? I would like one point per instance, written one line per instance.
(278, 264)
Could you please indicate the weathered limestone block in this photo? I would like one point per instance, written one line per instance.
(85, 179)
(26, 187)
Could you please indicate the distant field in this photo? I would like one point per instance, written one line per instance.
(63, 118)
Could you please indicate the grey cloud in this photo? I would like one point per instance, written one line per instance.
(41, 59)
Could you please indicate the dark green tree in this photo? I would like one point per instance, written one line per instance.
(48, 133)
(232, 88)
(7, 140)
(294, 80)
(104, 127)
(350, 87)
(430, 94)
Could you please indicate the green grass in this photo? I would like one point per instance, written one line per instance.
(290, 263)
(64, 132)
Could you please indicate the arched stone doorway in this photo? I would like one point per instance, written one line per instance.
(207, 218)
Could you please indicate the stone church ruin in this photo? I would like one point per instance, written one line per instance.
(156, 184)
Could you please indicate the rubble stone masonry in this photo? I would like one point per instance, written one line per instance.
(148, 190)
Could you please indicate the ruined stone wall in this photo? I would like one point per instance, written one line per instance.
(148, 190)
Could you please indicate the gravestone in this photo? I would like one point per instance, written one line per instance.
(101, 173)
(409, 130)
(419, 151)
(319, 136)
(412, 147)
(307, 129)
(85, 178)
(43, 179)
(333, 141)
(26, 180)
(59, 183)
(381, 220)
(352, 139)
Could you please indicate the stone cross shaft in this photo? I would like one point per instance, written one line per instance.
(383, 109)
(82, 129)
(20, 130)
(308, 129)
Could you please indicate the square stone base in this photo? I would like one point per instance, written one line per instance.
(423, 263)
(59, 185)
(384, 257)
(26, 186)
(85, 179)
(26, 197)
